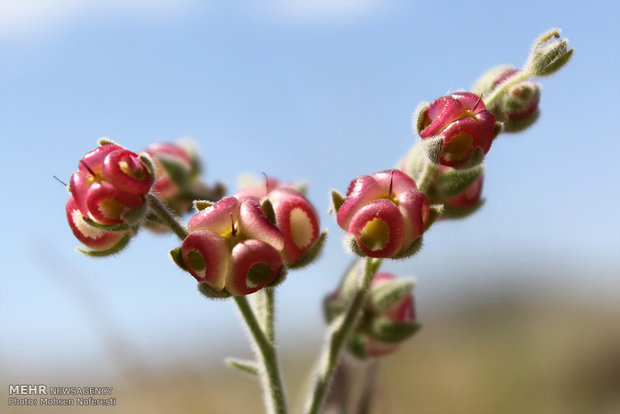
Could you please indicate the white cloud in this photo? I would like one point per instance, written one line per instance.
(20, 18)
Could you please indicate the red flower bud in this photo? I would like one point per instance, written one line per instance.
(95, 238)
(385, 213)
(174, 156)
(254, 265)
(468, 198)
(464, 124)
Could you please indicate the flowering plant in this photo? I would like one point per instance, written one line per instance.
(246, 243)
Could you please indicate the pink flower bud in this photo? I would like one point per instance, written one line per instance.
(95, 238)
(464, 124)
(401, 312)
(255, 264)
(468, 198)
(176, 157)
(298, 221)
(207, 257)
(385, 212)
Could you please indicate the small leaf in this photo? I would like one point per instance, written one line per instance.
(202, 204)
(107, 227)
(105, 141)
(112, 250)
(392, 332)
(413, 249)
(211, 293)
(357, 346)
(476, 159)
(458, 213)
(280, 278)
(146, 160)
(432, 147)
(267, 208)
(453, 182)
(177, 258)
(389, 293)
(418, 117)
(312, 253)
(435, 211)
(249, 367)
(337, 200)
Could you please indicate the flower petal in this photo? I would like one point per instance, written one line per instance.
(96, 239)
(254, 224)
(362, 191)
(254, 265)
(207, 257)
(378, 229)
(218, 218)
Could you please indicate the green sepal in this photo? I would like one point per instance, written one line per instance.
(351, 245)
(392, 332)
(105, 141)
(200, 205)
(107, 227)
(434, 212)
(389, 293)
(337, 200)
(211, 293)
(410, 251)
(357, 346)
(457, 213)
(122, 243)
(418, 117)
(432, 147)
(312, 253)
(498, 129)
(146, 160)
(279, 279)
(249, 367)
(135, 215)
(547, 59)
(177, 172)
(177, 258)
(518, 125)
(475, 160)
(453, 182)
(267, 208)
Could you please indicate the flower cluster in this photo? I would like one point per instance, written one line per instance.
(246, 242)
(107, 197)
(385, 213)
(388, 318)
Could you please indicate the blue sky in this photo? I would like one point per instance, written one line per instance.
(315, 91)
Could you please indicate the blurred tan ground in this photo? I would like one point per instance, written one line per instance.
(492, 356)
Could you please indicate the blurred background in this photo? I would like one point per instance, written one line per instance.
(520, 302)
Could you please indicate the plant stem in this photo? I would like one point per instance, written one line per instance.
(337, 334)
(520, 77)
(269, 372)
(167, 218)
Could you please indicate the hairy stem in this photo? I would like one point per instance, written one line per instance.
(269, 372)
(337, 334)
(167, 218)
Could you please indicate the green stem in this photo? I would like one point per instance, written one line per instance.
(520, 77)
(270, 373)
(337, 334)
(167, 218)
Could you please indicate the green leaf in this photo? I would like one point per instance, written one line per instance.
(418, 117)
(432, 147)
(389, 293)
(177, 258)
(357, 346)
(337, 200)
(211, 293)
(453, 182)
(249, 367)
(392, 332)
(462, 212)
(112, 250)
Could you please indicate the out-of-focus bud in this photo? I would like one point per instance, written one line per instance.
(177, 177)
(517, 107)
(385, 214)
(388, 318)
(461, 124)
(549, 53)
(460, 191)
